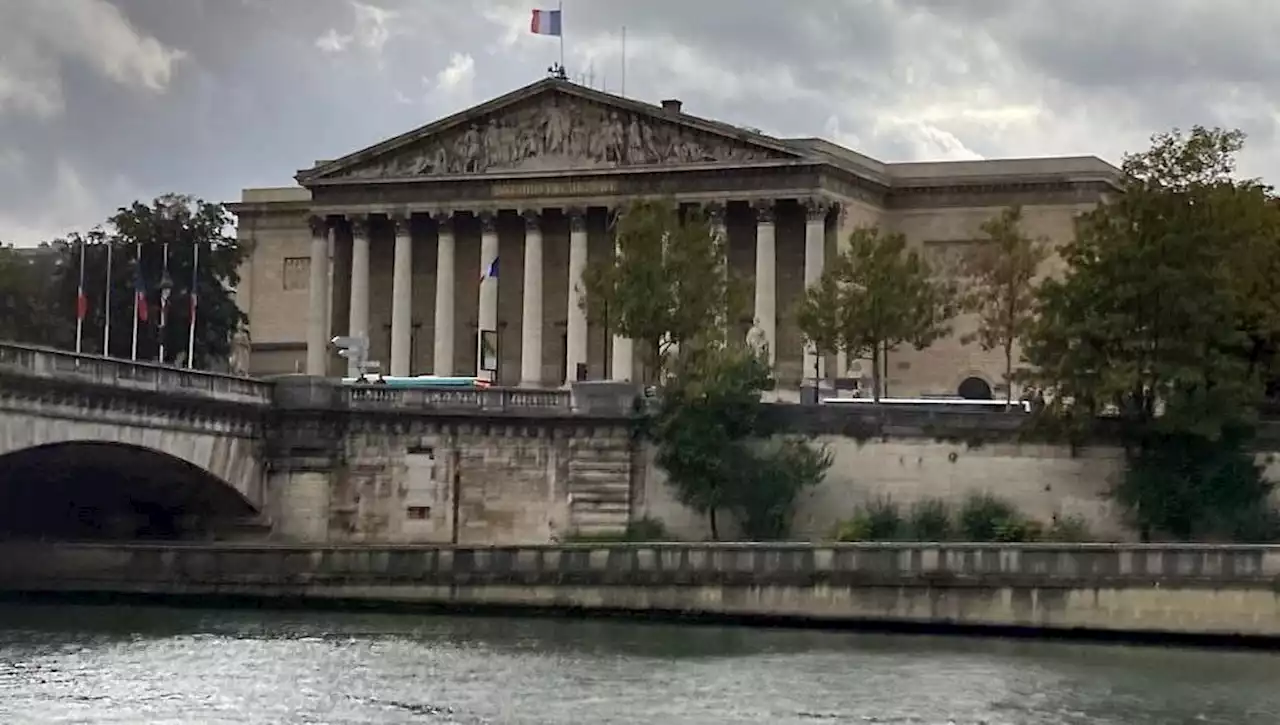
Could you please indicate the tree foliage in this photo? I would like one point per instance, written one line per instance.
(1000, 285)
(875, 296)
(194, 223)
(25, 313)
(716, 449)
(667, 285)
(1163, 320)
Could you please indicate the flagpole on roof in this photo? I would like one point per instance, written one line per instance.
(560, 12)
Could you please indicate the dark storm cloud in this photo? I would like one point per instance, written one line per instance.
(102, 101)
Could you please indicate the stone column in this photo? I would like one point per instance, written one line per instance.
(576, 327)
(531, 307)
(717, 214)
(842, 243)
(488, 307)
(624, 353)
(358, 321)
(815, 243)
(402, 297)
(442, 356)
(318, 299)
(766, 300)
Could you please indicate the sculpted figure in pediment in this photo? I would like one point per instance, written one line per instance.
(559, 133)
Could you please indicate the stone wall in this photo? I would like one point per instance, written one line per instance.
(1174, 590)
(1041, 480)
(461, 476)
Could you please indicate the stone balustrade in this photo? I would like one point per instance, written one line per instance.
(1198, 590)
(485, 400)
(50, 364)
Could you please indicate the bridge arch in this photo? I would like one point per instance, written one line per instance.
(91, 489)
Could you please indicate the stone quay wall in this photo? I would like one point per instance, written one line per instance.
(1209, 591)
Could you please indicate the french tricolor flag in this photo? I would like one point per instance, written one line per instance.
(545, 22)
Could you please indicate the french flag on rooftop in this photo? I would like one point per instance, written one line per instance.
(545, 22)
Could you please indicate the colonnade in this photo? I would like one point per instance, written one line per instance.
(532, 323)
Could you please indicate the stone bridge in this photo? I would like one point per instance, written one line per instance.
(101, 434)
(92, 447)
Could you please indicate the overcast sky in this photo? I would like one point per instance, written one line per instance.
(106, 101)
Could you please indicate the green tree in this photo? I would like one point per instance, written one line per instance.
(716, 449)
(25, 315)
(185, 224)
(667, 285)
(875, 296)
(1158, 322)
(1000, 285)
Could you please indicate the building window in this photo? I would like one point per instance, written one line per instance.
(297, 273)
(418, 513)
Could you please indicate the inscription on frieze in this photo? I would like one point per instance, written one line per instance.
(532, 189)
(560, 132)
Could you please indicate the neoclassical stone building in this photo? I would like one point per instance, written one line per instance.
(483, 220)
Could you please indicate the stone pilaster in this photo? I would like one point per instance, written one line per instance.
(446, 286)
(531, 309)
(402, 296)
(765, 328)
(576, 327)
(488, 306)
(358, 321)
(815, 242)
(318, 299)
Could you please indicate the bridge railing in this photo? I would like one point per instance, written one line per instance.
(489, 399)
(51, 364)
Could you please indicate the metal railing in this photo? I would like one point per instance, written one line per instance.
(487, 399)
(50, 364)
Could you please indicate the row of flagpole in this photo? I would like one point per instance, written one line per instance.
(140, 303)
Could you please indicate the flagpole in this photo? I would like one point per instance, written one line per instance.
(80, 301)
(560, 11)
(164, 299)
(623, 91)
(195, 296)
(137, 300)
(106, 308)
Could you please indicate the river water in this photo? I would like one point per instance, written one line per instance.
(143, 665)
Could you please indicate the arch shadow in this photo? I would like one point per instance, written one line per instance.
(103, 490)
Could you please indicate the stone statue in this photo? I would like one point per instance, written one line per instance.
(240, 349)
(562, 132)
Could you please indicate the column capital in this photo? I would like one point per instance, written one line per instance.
(402, 222)
(359, 226)
(319, 225)
(765, 210)
(443, 219)
(488, 220)
(577, 218)
(532, 219)
(816, 208)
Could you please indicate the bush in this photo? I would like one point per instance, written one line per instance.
(930, 520)
(1069, 529)
(646, 529)
(878, 520)
(985, 517)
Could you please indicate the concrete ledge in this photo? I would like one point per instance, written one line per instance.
(1182, 590)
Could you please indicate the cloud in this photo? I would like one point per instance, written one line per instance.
(72, 201)
(42, 39)
(372, 28)
(208, 96)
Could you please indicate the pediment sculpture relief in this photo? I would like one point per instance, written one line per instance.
(560, 132)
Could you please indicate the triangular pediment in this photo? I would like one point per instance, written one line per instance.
(554, 126)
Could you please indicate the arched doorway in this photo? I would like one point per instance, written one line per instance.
(975, 388)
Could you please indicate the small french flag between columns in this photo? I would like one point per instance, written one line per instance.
(545, 22)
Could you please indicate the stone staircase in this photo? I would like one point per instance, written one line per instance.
(599, 489)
